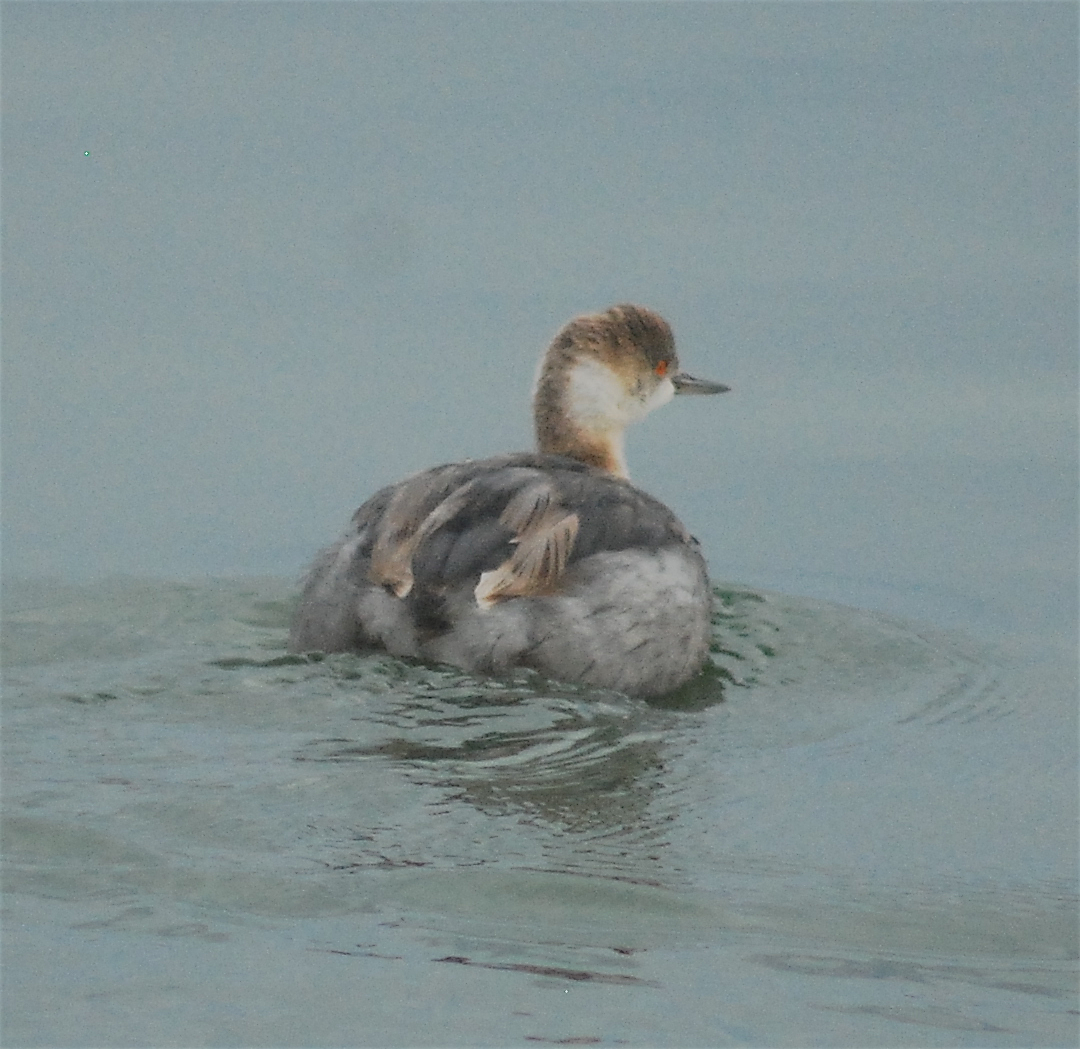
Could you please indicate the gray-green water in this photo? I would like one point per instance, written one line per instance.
(858, 831)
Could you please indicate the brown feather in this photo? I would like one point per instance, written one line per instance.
(540, 558)
(402, 530)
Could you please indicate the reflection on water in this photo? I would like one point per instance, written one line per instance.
(871, 819)
(569, 761)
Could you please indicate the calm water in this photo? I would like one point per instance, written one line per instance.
(855, 831)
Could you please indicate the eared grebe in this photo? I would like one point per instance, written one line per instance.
(549, 559)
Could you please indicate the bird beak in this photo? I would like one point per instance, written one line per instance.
(684, 383)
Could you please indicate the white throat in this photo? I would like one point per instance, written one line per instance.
(598, 399)
(599, 402)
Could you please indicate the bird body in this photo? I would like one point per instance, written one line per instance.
(549, 559)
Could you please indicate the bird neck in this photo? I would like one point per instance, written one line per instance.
(581, 409)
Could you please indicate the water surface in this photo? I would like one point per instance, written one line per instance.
(852, 831)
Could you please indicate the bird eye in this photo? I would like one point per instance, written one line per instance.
(661, 369)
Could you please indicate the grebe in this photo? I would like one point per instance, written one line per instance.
(549, 559)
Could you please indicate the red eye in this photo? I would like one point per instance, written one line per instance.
(661, 369)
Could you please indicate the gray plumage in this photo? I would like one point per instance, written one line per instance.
(630, 609)
(550, 560)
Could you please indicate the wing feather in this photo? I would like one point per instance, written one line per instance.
(402, 530)
(519, 522)
(540, 557)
